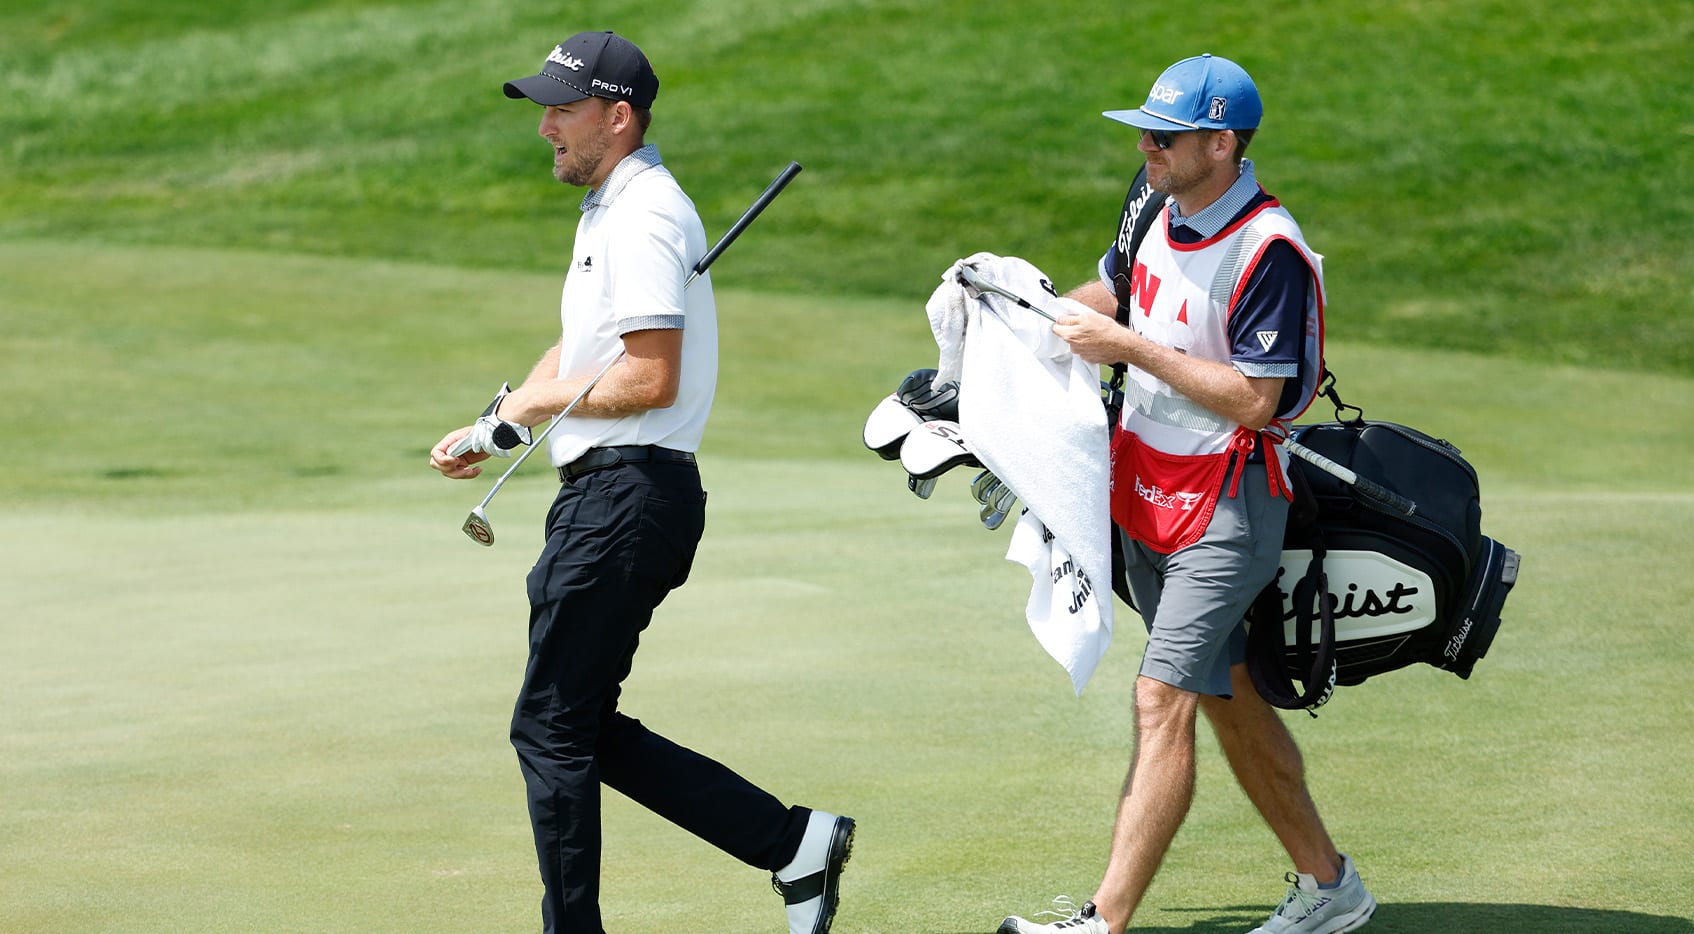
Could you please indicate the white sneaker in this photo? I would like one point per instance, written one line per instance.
(1082, 920)
(810, 885)
(1308, 909)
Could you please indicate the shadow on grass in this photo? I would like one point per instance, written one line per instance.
(1433, 918)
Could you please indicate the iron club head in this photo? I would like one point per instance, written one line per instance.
(477, 529)
(969, 276)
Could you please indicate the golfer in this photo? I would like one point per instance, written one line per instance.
(630, 511)
(1224, 303)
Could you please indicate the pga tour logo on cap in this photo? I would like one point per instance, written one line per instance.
(1219, 106)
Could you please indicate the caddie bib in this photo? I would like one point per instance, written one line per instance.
(1166, 500)
(1171, 456)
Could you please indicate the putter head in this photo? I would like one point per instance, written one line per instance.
(476, 528)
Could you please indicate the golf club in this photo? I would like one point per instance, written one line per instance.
(974, 279)
(476, 526)
(1370, 489)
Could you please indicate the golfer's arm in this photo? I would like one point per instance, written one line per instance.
(646, 377)
(547, 368)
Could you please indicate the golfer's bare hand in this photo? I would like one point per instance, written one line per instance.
(456, 468)
(1094, 337)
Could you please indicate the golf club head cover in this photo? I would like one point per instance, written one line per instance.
(888, 425)
(934, 448)
(923, 395)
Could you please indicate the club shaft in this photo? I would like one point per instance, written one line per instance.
(1368, 488)
(765, 198)
(975, 280)
(524, 455)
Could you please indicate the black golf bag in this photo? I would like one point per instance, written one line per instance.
(1367, 586)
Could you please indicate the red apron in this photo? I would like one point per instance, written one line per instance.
(1165, 501)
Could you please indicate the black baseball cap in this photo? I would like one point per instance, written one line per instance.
(591, 64)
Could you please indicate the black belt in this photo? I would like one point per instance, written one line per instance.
(597, 458)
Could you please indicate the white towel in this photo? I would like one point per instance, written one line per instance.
(1030, 410)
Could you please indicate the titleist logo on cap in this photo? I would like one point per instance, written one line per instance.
(561, 57)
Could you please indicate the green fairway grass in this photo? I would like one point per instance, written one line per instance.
(256, 679)
(255, 259)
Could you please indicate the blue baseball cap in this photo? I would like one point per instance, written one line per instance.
(1200, 93)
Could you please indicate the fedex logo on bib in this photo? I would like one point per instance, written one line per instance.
(1163, 500)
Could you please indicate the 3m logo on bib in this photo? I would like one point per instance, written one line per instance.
(1370, 594)
(561, 57)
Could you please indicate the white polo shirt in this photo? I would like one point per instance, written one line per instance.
(638, 239)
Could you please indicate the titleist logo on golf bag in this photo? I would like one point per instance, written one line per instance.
(1363, 585)
(1366, 586)
(1132, 209)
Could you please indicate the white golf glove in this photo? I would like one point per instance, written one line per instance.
(491, 435)
(996, 498)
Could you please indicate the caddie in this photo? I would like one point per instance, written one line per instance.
(1223, 312)
(630, 511)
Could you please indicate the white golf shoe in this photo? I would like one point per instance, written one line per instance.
(810, 885)
(1082, 920)
(1308, 909)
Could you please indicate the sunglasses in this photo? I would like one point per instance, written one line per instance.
(1164, 139)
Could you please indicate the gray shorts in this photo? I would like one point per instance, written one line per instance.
(1195, 601)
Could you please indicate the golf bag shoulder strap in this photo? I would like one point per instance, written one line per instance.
(1265, 645)
(1265, 638)
(1140, 208)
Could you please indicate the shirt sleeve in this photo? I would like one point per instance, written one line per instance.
(645, 270)
(1267, 324)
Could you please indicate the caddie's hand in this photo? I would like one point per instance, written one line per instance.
(492, 435)
(1094, 337)
(454, 466)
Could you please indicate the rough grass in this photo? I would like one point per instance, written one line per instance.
(1484, 177)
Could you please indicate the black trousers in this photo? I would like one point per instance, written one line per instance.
(618, 540)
